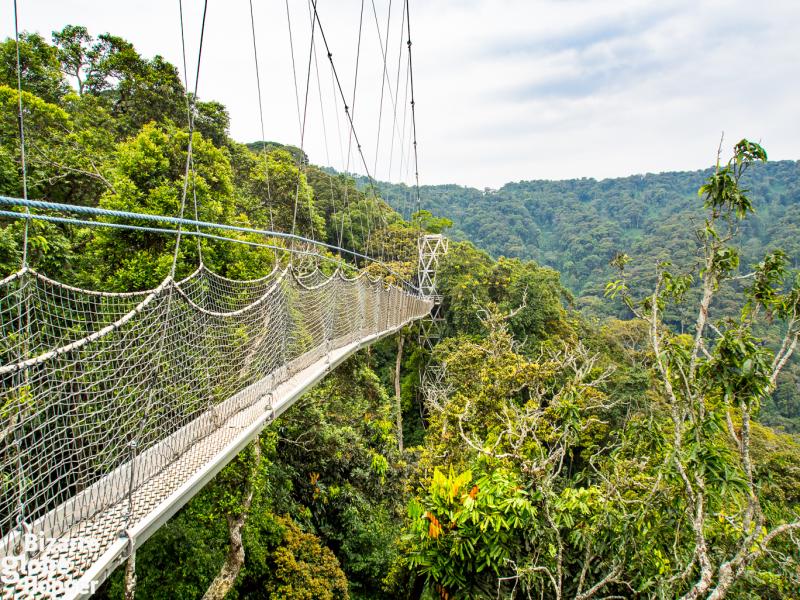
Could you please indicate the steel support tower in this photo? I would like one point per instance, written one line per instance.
(431, 248)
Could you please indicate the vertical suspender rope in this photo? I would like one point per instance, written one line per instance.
(384, 79)
(134, 445)
(384, 75)
(405, 150)
(384, 50)
(261, 115)
(190, 119)
(208, 391)
(346, 210)
(353, 134)
(189, 161)
(327, 151)
(325, 134)
(397, 93)
(303, 129)
(346, 206)
(409, 152)
(25, 302)
(351, 114)
(301, 117)
(294, 66)
(413, 110)
(21, 138)
(196, 212)
(369, 206)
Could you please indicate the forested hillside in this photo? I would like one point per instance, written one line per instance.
(561, 456)
(577, 226)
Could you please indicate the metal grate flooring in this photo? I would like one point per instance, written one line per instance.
(163, 494)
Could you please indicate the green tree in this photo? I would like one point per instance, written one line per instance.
(40, 69)
(137, 90)
(425, 221)
(529, 503)
(715, 381)
(148, 177)
(78, 58)
(298, 567)
(213, 121)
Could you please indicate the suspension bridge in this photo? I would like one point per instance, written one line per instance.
(130, 402)
(116, 408)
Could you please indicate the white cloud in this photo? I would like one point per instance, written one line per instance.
(506, 89)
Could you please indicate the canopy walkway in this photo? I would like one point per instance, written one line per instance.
(118, 407)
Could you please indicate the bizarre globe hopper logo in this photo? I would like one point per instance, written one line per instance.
(45, 566)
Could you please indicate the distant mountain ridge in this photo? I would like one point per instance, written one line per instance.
(576, 225)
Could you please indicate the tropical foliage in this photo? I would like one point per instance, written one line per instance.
(577, 446)
(577, 226)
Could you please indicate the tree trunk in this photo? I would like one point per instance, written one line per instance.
(398, 402)
(130, 577)
(234, 561)
(224, 581)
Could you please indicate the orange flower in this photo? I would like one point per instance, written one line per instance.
(435, 528)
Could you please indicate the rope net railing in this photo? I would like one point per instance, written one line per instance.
(115, 408)
(102, 392)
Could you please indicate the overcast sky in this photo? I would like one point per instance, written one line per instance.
(505, 89)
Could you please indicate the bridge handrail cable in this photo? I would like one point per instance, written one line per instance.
(183, 222)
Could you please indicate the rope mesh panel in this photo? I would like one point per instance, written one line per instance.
(105, 394)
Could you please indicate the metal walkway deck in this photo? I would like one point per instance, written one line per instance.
(90, 551)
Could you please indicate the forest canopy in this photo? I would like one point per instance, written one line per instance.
(610, 361)
(577, 226)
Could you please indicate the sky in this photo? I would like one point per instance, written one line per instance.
(505, 90)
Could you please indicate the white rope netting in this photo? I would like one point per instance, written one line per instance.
(101, 392)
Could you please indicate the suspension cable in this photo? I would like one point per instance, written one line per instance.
(189, 161)
(413, 109)
(384, 75)
(190, 119)
(338, 238)
(261, 116)
(21, 138)
(397, 94)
